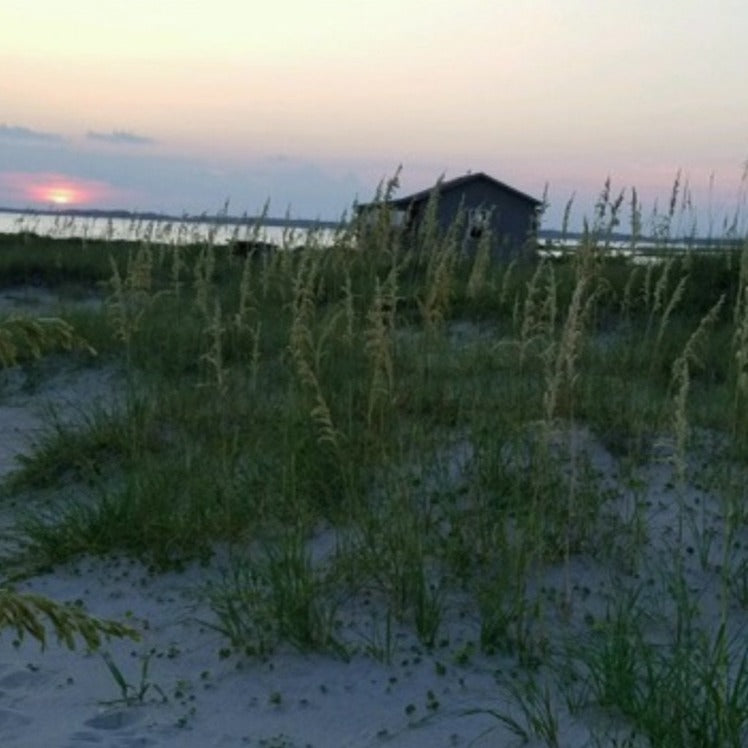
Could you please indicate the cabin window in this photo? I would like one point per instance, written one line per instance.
(397, 218)
(478, 222)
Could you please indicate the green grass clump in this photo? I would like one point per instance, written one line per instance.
(30, 614)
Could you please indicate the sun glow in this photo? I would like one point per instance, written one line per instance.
(59, 191)
(56, 190)
(61, 195)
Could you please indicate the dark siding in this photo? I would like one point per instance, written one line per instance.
(512, 216)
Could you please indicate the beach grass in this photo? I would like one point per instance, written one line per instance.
(443, 421)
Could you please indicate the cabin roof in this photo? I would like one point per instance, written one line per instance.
(452, 184)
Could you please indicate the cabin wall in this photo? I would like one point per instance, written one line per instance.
(512, 218)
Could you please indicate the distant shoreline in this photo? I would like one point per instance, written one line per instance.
(219, 219)
(216, 218)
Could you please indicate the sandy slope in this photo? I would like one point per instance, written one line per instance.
(62, 698)
(58, 698)
(198, 697)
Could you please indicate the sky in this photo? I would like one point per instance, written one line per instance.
(309, 104)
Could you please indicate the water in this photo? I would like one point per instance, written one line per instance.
(158, 231)
(162, 231)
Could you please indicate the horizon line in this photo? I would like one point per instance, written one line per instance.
(278, 221)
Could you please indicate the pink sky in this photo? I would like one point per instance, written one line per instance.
(178, 105)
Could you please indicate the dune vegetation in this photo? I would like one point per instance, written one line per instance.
(554, 448)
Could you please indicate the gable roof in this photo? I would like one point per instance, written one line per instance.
(452, 184)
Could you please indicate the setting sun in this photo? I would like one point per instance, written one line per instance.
(55, 189)
(61, 195)
(56, 192)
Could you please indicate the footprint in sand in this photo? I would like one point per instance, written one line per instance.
(107, 723)
(81, 739)
(87, 738)
(23, 679)
(11, 720)
(116, 720)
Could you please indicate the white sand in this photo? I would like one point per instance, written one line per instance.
(60, 698)
(63, 699)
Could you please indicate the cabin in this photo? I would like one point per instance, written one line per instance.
(483, 204)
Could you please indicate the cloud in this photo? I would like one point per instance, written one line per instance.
(145, 179)
(119, 137)
(16, 132)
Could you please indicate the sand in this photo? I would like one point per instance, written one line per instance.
(197, 693)
(194, 694)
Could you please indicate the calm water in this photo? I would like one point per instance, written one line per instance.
(187, 232)
(157, 231)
